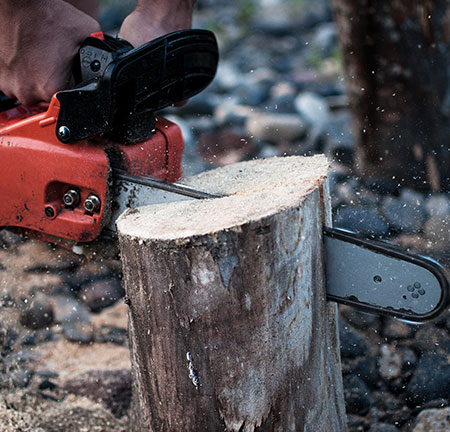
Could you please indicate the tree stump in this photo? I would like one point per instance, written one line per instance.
(229, 325)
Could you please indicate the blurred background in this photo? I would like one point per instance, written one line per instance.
(377, 107)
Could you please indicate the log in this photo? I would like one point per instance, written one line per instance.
(396, 61)
(229, 325)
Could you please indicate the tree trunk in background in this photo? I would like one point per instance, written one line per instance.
(230, 329)
(396, 57)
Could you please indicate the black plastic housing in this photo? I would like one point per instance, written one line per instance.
(126, 86)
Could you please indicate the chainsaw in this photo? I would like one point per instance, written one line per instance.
(71, 167)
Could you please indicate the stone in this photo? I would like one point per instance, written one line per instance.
(438, 205)
(325, 39)
(111, 387)
(275, 127)
(227, 77)
(68, 309)
(358, 319)
(433, 420)
(101, 293)
(357, 395)
(383, 427)
(430, 380)
(21, 378)
(46, 384)
(382, 186)
(338, 139)
(283, 104)
(81, 332)
(429, 339)
(313, 108)
(8, 239)
(86, 273)
(396, 329)
(352, 344)
(231, 114)
(111, 334)
(437, 230)
(38, 314)
(367, 221)
(390, 363)
(366, 368)
(252, 93)
(405, 214)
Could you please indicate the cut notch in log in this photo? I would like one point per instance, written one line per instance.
(229, 325)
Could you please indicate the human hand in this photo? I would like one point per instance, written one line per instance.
(38, 43)
(154, 18)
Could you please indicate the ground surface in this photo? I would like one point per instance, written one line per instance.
(64, 361)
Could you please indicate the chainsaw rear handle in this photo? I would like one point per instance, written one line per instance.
(122, 87)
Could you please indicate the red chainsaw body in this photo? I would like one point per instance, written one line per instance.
(37, 170)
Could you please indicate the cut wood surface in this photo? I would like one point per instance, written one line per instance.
(229, 325)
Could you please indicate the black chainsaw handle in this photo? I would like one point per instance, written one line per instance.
(125, 87)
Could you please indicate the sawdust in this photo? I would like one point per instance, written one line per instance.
(254, 190)
(32, 264)
(25, 411)
(70, 359)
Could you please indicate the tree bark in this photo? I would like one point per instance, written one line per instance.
(396, 57)
(230, 329)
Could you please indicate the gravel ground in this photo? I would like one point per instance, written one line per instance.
(279, 91)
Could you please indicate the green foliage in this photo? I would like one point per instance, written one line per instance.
(246, 11)
(297, 5)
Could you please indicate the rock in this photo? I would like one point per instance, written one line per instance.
(366, 368)
(365, 220)
(37, 337)
(358, 319)
(438, 205)
(430, 380)
(46, 374)
(429, 339)
(88, 272)
(357, 396)
(21, 378)
(111, 334)
(8, 239)
(325, 39)
(383, 427)
(357, 423)
(101, 293)
(283, 104)
(313, 109)
(406, 213)
(338, 137)
(396, 329)
(232, 114)
(382, 186)
(352, 344)
(227, 77)
(268, 151)
(39, 313)
(252, 93)
(275, 128)
(433, 420)
(437, 230)
(390, 363)
(111, 387)
(79, 331)
(46, 384)
(68, 309)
